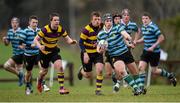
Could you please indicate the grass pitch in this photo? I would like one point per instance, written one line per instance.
(82, 92)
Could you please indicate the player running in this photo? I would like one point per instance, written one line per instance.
(151, 37)
(15, 63)
(46, 41)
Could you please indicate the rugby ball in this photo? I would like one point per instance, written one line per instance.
(103, 44)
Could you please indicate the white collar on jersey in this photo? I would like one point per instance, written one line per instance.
(148, 24)
(124, 22)
(107, 31)
(33, 29)
(14, 31)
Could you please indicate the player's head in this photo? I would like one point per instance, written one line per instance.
(33, 21)
(108, 20)
(96, 18)
(116, 18)
(54, 20)
(125, 15)
(146, 18)
(15, 22)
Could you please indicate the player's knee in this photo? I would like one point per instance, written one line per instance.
(155, 71)
(28, 73)
(99, 71)
(58, 67)
(88, 75)
(43, 72)
(7, 65)
(141, 69)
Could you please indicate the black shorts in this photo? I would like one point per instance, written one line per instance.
(94, 58)
(127, 58)
(18, 59)
(30, 61)
(46, 58)
(151, 57)
(108, 58)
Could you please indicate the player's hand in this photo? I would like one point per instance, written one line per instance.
(101, 49)
(134, 42)
(129, 38)
(22, 46)
(33, 45)
(131, 45)
(4, 38)
(6, 42)
(151, 49)
(74, 42)
(86, 58)
(42, 47)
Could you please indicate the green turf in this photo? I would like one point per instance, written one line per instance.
(10, 92)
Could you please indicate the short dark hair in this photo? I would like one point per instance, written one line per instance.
(16, 19)
(53, 15)
(116, 14)
(95, 13)
(33, 17)
(147, 14)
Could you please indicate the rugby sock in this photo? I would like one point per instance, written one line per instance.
(43, 82)
(142, 79)
(130, 81)
(61, 79)
(137, 79)
(99, 79)
(28, 84)
(114, 77)
(119, 81)
(40, 80)
(164, 73)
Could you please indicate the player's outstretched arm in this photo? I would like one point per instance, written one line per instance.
(137, 36)
(126, 35)
(70, 41)
(129, 43)
(159, 40)
(139, 41)
(37, 43)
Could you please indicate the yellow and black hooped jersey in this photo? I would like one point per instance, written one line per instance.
(49, 37)
(88, 39)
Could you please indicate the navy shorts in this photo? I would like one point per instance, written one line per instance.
(94, 58)
(151, 57)
(127, 58)
(45, 59)
(18, 58)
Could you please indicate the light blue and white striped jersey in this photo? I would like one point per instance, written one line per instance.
(27, 38)
(116, 44)
(130, 27)
(14, 38)
(150, 34)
